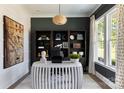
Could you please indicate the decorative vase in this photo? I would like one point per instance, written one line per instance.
(74, 60)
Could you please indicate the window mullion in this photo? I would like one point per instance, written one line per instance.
(109, 38)
(106, 45)
(96, 45)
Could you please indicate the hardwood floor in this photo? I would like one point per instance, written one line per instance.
(88, 83)
(100, 82)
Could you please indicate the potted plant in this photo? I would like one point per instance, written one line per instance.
(74, 57)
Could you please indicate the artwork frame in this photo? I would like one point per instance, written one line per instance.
(13, 42)
(76, 45)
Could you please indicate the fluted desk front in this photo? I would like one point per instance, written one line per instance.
(66, 75)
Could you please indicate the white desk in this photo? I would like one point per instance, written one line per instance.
(64, 75)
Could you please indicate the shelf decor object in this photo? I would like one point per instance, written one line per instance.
(81, 53)
(58, 45)
(65, 44)
(39, 38)
(43, 57)
(13, 42)
(58, 36)
(63, 37)
(74, 52)
(47, 38)
(72, 37)
(79, 37)
(76, 45)
(43, 37)
(74, 57)
(41, 47)
(59, 19)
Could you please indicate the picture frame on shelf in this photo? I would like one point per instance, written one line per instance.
(65, 44)
(79, 37)
(76, 45)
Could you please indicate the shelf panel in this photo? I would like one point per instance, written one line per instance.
(76, 40)
(43, 40)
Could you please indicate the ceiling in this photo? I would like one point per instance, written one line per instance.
(69, 10)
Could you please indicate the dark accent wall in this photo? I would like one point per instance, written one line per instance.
(102, 9)
(76, 23)
(72, 23)
(105, 72)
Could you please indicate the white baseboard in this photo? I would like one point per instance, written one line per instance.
(107, 81)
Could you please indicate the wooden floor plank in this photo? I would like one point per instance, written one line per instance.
(100, 82)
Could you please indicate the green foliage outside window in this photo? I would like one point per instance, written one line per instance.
(101, 38)
(113, 40)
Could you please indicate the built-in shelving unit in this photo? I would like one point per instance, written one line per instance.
(77, 42)
(68, 41)
(60, 38)
(43, 42)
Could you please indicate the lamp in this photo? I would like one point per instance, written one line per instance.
(59, 19)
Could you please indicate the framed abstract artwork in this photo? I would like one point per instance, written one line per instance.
(13, 42)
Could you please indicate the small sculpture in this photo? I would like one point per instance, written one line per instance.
(43, 57)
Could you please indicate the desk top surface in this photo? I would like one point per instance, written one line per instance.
(63, 64)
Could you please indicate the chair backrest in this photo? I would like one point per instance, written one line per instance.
(56, 55)
(56, 59)
(55, 51)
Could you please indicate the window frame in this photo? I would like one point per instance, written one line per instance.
(103, 62)
(109, 36)
(107, 46)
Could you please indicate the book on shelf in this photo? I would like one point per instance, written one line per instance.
(41, 47)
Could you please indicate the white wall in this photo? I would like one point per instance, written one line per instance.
(12, 74)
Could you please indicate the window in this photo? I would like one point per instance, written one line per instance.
(112, 37)
(100, 38)
(106, 29)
